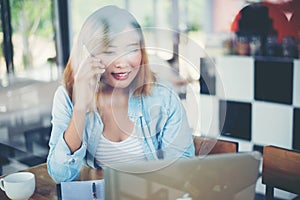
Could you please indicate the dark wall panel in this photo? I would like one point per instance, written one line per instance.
(296, 129)
(237, 118)
(274, 81)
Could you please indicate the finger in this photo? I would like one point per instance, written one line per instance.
(97, 64)
(93, 74)
(96, 59)
(98, 70)
(88, 66)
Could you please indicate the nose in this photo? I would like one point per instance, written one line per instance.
(121, 61)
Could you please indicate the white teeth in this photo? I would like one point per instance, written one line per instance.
(122, 75)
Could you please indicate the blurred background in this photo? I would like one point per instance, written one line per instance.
(236, 61)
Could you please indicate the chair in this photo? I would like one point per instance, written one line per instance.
(5, 153)
(3, 161)
(206, 146)
(281, 169)
(38, 138)
(39, 135)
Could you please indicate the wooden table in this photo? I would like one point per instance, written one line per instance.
(45, 188)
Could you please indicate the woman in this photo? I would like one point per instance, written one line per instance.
(111, 109)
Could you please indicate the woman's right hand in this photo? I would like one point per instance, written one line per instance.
(85, 82)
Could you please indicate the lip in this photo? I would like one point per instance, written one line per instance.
(120, 75)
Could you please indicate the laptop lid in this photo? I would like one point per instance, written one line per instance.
(229, 176)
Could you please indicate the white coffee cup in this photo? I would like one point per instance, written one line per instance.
(19, 185)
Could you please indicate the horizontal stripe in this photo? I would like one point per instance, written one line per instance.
(128, 150)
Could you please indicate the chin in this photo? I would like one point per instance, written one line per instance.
(118, 85)
(121, 86)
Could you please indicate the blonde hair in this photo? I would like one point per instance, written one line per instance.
(96, 33)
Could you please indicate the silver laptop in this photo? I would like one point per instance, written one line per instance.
(231, 176)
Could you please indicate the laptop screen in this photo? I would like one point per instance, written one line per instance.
(220, 176)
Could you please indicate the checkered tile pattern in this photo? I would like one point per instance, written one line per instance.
(255, 101)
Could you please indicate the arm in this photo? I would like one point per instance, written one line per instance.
(84, 91)
(73, 134)
(67, 150)
(63, 164)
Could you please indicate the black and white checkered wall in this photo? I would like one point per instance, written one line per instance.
(255, 101)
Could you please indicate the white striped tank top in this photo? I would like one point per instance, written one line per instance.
(128, 150)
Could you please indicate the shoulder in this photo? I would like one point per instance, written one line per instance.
(61, 97)
(163, 89)
(163, 94)
(61, 93)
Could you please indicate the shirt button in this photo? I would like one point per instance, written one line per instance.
(71, 161)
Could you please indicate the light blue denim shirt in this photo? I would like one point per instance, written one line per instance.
(162, 120)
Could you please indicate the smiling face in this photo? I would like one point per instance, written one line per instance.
(122, 58)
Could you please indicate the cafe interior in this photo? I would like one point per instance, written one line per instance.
(235, 65)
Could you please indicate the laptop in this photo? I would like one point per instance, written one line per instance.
(230, 176)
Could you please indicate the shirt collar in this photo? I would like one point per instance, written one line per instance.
(134, 106)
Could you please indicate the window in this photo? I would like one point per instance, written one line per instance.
(33, 40)
(2, 61)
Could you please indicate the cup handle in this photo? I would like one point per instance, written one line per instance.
(2, 184)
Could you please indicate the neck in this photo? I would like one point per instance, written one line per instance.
(116, 92)
(113, 97)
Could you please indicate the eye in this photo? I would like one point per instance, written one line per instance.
(108, 52)
(135, 50)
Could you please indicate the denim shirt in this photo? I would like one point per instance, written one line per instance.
(161, 118)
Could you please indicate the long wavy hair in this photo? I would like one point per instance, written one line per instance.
(96, 34)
